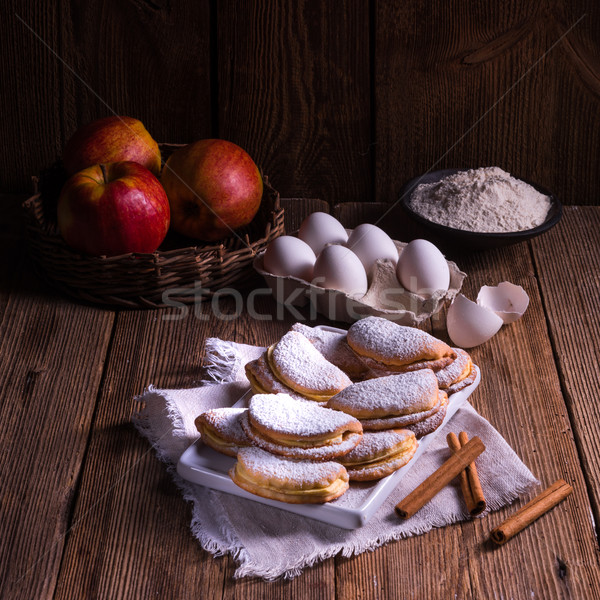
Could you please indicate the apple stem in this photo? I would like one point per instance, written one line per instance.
(104, 173)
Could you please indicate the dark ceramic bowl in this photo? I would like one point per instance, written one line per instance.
(472, 239)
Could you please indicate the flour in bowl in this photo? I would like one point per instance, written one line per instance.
(486, 200)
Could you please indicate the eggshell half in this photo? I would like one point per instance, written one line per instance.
(507, 300)
(470, 324)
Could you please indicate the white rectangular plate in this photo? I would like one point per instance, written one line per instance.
(202, 465)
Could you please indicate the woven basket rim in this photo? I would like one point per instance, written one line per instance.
(29, 206)
(138, 280)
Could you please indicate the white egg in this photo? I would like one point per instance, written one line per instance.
(339, 268)
(370, 243)
(469, 324)
(507, 300)
(289, 257)
(422, 268)
(320, 229)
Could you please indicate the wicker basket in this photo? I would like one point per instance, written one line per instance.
(178, 272)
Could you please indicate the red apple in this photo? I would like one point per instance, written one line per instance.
(112, 139)
(113, 209)
(214, 187)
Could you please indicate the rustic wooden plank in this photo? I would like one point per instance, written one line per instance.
(51, 358)
(520, 395)
(147, 60)
(31, 91)
(296, 210)
(13, 251)
(391, 218)
(71, 64)
(447, 87)
(352, 214)
(294, 92)
(131, 534)
(456, 88)
(429, 566)
(131, 528)
(568, 266)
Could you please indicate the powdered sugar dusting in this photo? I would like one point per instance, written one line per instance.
(377, 444)
(267, 380)
(403, 393)
(450, 374)
(323, 452)
(282, 414)
(431, 423)
(382, 339)
(463, 383)
(299, 361)
(333, 347)
(226, 422)
(400, 421)
(279, 471)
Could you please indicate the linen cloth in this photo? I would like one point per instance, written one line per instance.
(270, 543)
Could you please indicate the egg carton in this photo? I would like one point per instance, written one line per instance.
(385, 297)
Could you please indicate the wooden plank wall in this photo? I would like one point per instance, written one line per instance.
(343, 100)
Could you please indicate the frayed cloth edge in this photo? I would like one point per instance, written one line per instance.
(222, 361)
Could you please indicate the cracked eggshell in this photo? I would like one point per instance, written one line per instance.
(507, 300)
(470, 324)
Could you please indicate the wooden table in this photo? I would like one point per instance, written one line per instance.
(87, 510)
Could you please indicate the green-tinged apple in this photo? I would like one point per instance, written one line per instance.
(113, 209)
(108, 140)
(214, 187)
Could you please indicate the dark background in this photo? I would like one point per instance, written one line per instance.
(342, 100)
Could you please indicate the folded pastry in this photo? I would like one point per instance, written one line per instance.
(463, 383)
(298, 429)
(404, 421)
(296, 482)
(300, 366)
(409, 400)
(431, 423)
(386, 346)
(457, 375)
(263, 381)
(420, 423)
(334, 347)
(379, 454)
(221, 430)
(390, 396)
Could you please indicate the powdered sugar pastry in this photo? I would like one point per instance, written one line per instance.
(280, 413)
(300, 364)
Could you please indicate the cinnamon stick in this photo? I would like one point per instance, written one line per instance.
(440, 478)
(469, 479)
(478, 504)
(534, 509)
(473, 477)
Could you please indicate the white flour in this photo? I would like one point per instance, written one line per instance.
(483, 200)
